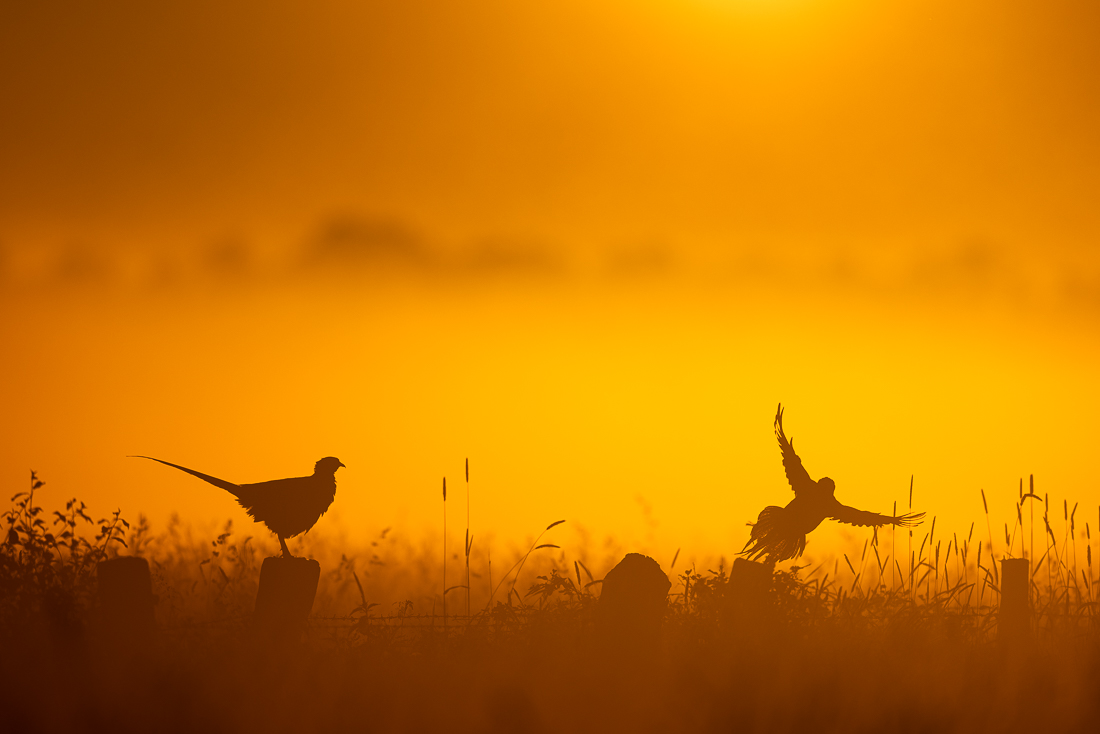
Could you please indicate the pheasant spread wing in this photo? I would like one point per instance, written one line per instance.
(852, 516)
(797, 475)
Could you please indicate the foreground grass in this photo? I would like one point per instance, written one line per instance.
(889, 646)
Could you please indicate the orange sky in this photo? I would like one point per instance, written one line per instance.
(588, 244)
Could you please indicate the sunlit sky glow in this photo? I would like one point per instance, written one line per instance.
(589, 245)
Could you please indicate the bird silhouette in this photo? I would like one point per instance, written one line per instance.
(286, 506)
(780, 532)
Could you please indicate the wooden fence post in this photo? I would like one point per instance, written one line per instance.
(746, 598)
(284, 600)
(632, 604)
(126, 597)
(1014, 620)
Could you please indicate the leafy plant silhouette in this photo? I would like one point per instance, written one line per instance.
(53, 562)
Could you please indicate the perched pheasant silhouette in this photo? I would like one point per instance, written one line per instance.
(287, 506)
(780, 532)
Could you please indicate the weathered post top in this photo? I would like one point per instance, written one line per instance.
(1014, 620)
(633, 603)
(284, 600)
(125, 590)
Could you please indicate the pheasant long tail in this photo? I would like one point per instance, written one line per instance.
(233, 489)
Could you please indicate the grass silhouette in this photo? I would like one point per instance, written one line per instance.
(855, 643)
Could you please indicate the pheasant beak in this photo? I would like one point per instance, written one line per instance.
(342, 464)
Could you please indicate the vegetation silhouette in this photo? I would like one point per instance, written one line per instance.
(779, 534)
(865, 653)
(287, 507)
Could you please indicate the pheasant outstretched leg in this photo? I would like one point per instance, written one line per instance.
(286, 551)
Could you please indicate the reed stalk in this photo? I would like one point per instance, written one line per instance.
(893, 547)
(992, 551)
(1088, 554)
(910, 549)
(444, 553)
(469, 540)
(520, 563)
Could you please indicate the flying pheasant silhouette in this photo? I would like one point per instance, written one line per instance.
(286, 506)
(780, 532)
